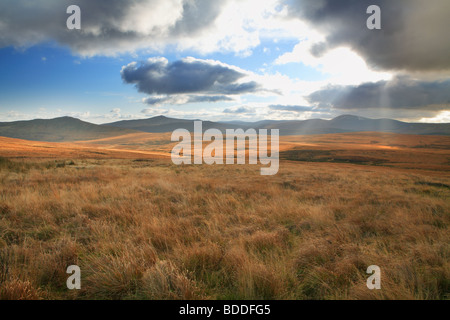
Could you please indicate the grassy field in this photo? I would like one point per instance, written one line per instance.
(143, 228)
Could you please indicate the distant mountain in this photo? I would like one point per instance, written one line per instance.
(341, 124)
(70, 129)
(58, 130)
(162, 124)
(348, 123)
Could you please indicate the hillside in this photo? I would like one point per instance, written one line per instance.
(163, 124)
(58, 130)
(341, 124)
(348, 123)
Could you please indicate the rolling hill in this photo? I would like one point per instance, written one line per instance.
(67, 129)
(58, 130)
(341, 124)
(163, 124)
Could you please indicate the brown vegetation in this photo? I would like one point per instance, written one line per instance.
(147, 229)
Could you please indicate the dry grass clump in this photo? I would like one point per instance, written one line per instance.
(116, 271)
(19, 290)
(166, 281)
(152, 230)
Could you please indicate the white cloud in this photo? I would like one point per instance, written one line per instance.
(116, 27)
(442, 117)
(342, 65)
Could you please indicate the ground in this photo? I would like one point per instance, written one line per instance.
(140, 227)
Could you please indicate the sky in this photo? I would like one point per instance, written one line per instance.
(224, 60)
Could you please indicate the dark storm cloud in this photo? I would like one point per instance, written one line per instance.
(158, 76)
(197, 15)
(399, 93)
(108, 27)
(414, 34)
(290, 108)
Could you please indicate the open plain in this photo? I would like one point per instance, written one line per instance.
(140, 227)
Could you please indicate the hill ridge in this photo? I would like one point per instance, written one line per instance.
(62, 129)
(340, 124)
(67, 129)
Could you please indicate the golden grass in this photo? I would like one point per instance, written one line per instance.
(17, 148)
(153, 230)
(386, 149)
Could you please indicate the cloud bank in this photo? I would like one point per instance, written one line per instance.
(414, 34)
(399, 93)
(184, 99)
(125, 26)
(240, 110)
(290, 108)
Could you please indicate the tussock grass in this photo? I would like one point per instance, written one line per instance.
(152, 230)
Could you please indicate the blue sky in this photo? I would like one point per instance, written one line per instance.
(51, 78)
(259, 57)
(47, 80)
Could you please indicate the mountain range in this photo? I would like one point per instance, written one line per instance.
(341, 124)
(71, 129)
